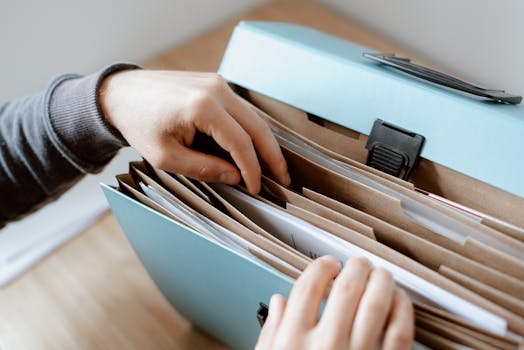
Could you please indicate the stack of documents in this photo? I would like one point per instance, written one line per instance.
(464, 277)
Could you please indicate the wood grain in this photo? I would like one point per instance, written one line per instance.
(93, 293)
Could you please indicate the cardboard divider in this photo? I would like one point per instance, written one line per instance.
(493, 258)
(186, 182)
(423, 251)
(305, 173)
(268, 259)
(233, 212)
(428, 175)
(406, 263)
(376, 174)
(336, 218)
(285, 195)
(131, 188)
(506, 341)
(437, 326)
(386, 252)
(352, 146)
(468, 191)
(511, 245)
(328, 225)
(503, 299)
(238, 216)
(203, 207)
(435, 341)
(510, 230)
(128, 186)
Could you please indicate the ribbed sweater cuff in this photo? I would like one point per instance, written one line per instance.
(80, 130)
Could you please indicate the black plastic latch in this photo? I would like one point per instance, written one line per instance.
(393, 150)
(262, 313)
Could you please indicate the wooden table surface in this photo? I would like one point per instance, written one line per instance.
(93, 293)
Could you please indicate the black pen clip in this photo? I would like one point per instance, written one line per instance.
(430, 75)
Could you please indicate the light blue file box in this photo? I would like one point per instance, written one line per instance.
(212, 286)
(328, 77)
(218, 290)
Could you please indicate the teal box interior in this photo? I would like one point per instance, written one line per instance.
(219, 290)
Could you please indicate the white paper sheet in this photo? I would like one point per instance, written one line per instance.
(188, 216)
(212, 230)
(420, 213)
(315, 242)
(25, 242)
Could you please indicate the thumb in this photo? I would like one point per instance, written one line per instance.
(277, 305)
(202, 167)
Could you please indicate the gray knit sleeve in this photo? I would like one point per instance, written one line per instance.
(48, 141)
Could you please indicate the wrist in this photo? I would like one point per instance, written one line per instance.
(106, 90)
(76, 123)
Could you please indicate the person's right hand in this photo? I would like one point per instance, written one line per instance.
(159, 113)
(363, 310)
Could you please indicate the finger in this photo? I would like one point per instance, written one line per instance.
(265, 143)
(400, 329)
(225, 130)
(199, 166)
(307, 294)
(341, 307)
(277, 305)
(373, 310)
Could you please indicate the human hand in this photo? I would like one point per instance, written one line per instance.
(159, 113)
(363, 309)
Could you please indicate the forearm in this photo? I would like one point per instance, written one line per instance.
(50, 140)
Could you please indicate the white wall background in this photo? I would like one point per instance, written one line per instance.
(480, 40)
(39, 39)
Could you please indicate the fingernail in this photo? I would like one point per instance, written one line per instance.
(273, 302)
(330, 258)
(228, 177)
(286, 180)
(256, 189)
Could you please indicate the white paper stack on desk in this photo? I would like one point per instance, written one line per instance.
(465, 276)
